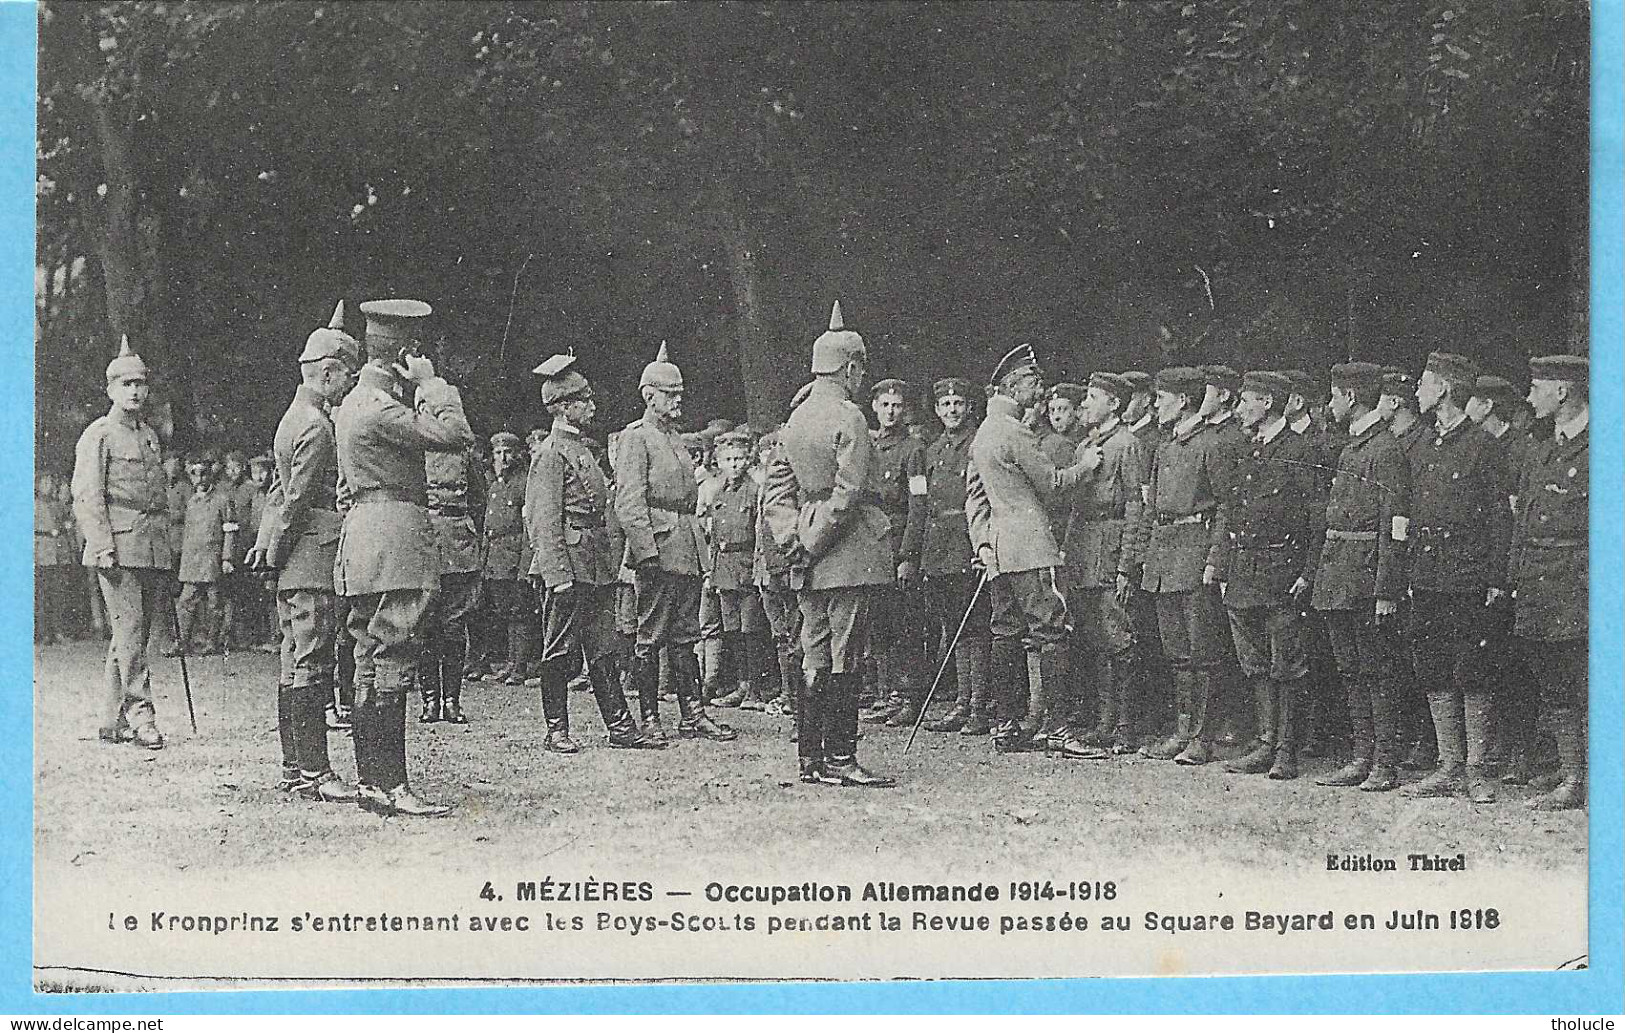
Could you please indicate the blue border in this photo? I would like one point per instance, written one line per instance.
(1595, 991)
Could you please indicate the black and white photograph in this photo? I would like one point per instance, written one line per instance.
(632, 492)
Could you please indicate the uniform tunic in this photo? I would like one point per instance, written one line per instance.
(1550, 564)
(946, 552)
(656, 496)
(566, 506)
(505, 552)
(1105, 536)
(730, 516)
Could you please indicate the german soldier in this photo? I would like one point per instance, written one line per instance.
(388, 562)
(1265, 568)
(120, 499)
(1359, 577)
(456, 494)
(822, 498)
(899, 618)
(1103, 550)
(947, 561)
(1550, 567)
(1458, 570)
(655, 498)
(572, 566)
(1008, 482)
(299, 539)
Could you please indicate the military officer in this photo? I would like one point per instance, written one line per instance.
(506, 555)
(1359, 574)
(1103, 548)
(1461, 525)
(299, 539)
(947, 561)
(572, 566)
(1189, 474)
(656, 494)
(1550, 566)
(1008, 482)
(120, 499)
(456, 494)
(388, 564)
(898, 611)
(822, 497)
(1265, 567)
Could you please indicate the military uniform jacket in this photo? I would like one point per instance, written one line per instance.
(1007, 485)
(730, 518)
(120, 494)
(656, 497)
(1061, 448)
(900, 459)
(506, 552)
(53, 537)
(1105, 524)
(1460, 517)
(387, 542)
(946, 548)
(300, 528)
(177, 495)
(566, 503)
(1367, 509)
(1272, 509)
(822, 491)
(211, 534)
(1550, 565)
(455, 494)
(249, 502)
(1185, 527)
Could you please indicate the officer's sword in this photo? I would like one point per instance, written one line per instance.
(180, 651)
(947, 658)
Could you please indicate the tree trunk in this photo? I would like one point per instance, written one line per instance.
(761, 370)
(125, 249)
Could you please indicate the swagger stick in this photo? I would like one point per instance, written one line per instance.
(947, 657)
(180, 651)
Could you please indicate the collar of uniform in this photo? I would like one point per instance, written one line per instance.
(1144, 420)
(1186, 425)
(1364, 423)
(129, 419)
(565, 427)
(1444, 430)
(962, 431)
(1573, 428)
(828, 387)
(309, 395)
(1003, 405)
(891, 433)
(1105, 430)
(377, 378)
(1301, 424)
(1219, 418)
(1271, 430)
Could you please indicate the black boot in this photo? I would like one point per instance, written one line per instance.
(606, 691)
(841, 767)
(429, 685)
(1009, 690)
(556, 709)
(693, 722)
(979, 663)
(451, 684)
(954, 720)
(1257, 761)
(643, 682)
(287, 721)
(1294, 710)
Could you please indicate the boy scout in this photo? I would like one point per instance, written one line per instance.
(299, 539)
(505, 555)
(730, 519)
(821, 497)
(1265, 565)
(947, 562)
(1359, 576)
(1550, 567)
(388, 562)
(655, 498)
(1103, 548)
(120, 499)
(572, 566)
(1461, 526)
(456, 493)
(770, 569)
(1189, 473)
(1007, 483)
(899, 615)
(1417, 742)
(208, 555)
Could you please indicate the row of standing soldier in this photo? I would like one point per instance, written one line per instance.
(1215, 531)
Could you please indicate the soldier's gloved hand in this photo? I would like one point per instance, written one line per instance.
(106, 560)
(560, 589)
(1210, 573)
(1492, 595)
(227, 567)
(417, 370)
(984, 557)
(907, 571)
(1122, 589)
(257, 559)
(1299, 587)
(1386, 608)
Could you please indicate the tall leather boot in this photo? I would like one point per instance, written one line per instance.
(1477, 724)
(693, 721)
(643, 681)
(1010, 695)
(1451, 738)
(811, 703)
(1052, 727)
(1569, 728)
(1120, 671)
(889, 697)
(717, 655)
(429, 685)
(1362, 735)
(1184, 694)
(1293, 712)
(840, 766)
(285, 719)
(606, 691)
(317, 779)
(959, 713)
(452, 659)
(903, 673)
(980, 665)
(1384, 733)
(749, 674)
(556, 708)
(1099, 667)
(1257, 761)
(794, 681)
(403, 802)
(1204, 682)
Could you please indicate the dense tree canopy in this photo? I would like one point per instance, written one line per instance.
(1121, 183)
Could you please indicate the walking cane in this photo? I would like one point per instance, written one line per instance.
(947, 658)
(180, 651)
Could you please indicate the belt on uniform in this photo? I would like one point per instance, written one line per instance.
(1248, 541)
(386, 495)
(583, 524)
(1334, 535)
(1169, 519)
(731, 547)
(1556, 543)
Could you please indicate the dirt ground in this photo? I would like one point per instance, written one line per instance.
(207, 802)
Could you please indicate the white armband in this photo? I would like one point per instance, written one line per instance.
(228, 526)
(916, 484)
(1401, 530)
